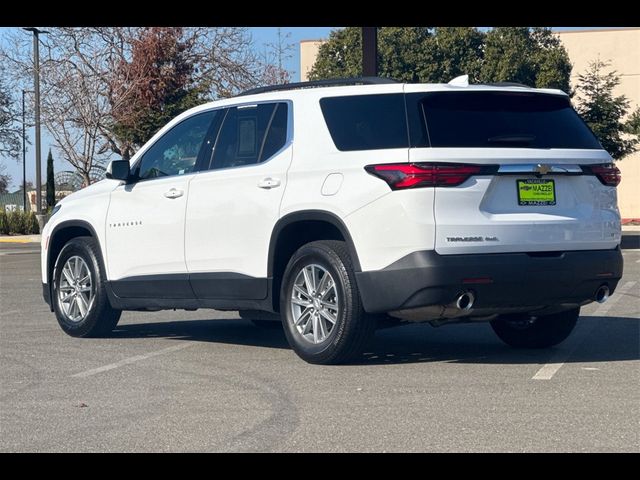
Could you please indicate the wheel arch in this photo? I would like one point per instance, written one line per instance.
(296, 229)
(61, 234)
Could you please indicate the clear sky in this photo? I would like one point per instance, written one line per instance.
(261, 36)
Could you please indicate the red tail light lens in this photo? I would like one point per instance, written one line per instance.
(608, 174)
(413, 175)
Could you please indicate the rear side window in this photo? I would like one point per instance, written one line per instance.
(502, 119)
(250, 135)
(366, 122)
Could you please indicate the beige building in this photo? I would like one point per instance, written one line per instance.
(620, 47)
(308, 53)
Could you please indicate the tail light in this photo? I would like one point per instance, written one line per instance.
(608, 173)
(413, 175)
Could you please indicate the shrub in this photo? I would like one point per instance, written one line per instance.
(32, 224)
(17, 223)
(4, 223)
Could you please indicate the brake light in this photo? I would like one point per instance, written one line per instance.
(412, 175)
(608, 174)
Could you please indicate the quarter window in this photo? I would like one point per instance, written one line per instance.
(176, 152)
(250, 134)
(366, 122)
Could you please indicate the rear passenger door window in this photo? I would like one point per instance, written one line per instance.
(250, 134)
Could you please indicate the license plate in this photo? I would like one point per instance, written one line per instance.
(536, 191)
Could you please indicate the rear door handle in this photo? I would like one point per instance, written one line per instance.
(269, 183)
(173, 193)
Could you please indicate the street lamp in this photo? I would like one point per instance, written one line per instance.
(36, 88)
(24, 154)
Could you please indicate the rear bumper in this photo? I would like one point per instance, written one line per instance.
(507, 280)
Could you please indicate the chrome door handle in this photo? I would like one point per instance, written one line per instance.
(269, 183)
(173, 193)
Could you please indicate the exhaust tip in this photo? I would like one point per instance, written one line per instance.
(465, 301)
(602, 294)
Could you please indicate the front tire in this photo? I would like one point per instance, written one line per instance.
(79, 295)
(320, 305)
(543, 332)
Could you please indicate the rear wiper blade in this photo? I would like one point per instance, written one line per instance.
(516, 138)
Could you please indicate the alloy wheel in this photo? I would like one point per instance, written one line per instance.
(314, 303)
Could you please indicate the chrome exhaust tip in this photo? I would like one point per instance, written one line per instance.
(465, 301)
(602, 294)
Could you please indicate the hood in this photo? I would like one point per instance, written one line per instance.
(102, 186)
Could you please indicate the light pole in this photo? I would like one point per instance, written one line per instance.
(369, 51)
(24, 154)
(36, 87)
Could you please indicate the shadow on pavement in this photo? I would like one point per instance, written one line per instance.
(612, 339)
(630, 240)
(239, 332)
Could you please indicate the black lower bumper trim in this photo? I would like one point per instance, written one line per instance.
(512, 279)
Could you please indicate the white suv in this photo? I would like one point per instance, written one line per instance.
(339, 204)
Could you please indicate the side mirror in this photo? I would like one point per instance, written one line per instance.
(118, 170)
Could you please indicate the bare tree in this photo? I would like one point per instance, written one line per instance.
(277, 53)
(9, 134)
(73, 106)
(5, 180)
(82, 84)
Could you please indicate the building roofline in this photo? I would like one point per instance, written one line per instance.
(594, 30)
(312, 40)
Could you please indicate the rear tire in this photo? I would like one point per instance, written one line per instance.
(543, 332)
(79, 294)
(327, 325)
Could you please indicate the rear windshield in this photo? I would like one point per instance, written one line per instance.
(366, 122)
(500, 119)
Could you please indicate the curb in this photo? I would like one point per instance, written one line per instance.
(20, 239)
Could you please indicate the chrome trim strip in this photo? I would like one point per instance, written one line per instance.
(568, 169)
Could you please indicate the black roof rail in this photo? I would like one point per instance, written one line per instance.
(331, 82)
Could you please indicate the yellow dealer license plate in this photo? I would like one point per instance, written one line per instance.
(536, 191)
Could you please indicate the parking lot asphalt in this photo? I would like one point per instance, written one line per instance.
(209, 381)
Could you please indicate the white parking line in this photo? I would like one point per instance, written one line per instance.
(550, 369)
(127, 361)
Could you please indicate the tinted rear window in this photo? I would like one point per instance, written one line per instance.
(501, 119)
(366, 122)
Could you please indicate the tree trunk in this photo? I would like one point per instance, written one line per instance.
(86, 179)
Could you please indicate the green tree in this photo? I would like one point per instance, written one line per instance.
(533, 56)
(456, 51)
(403, 54)
(632, 126)
(340, 56)
(51, 185)
(603, 111)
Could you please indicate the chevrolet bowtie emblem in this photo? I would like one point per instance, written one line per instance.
(542, 169)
